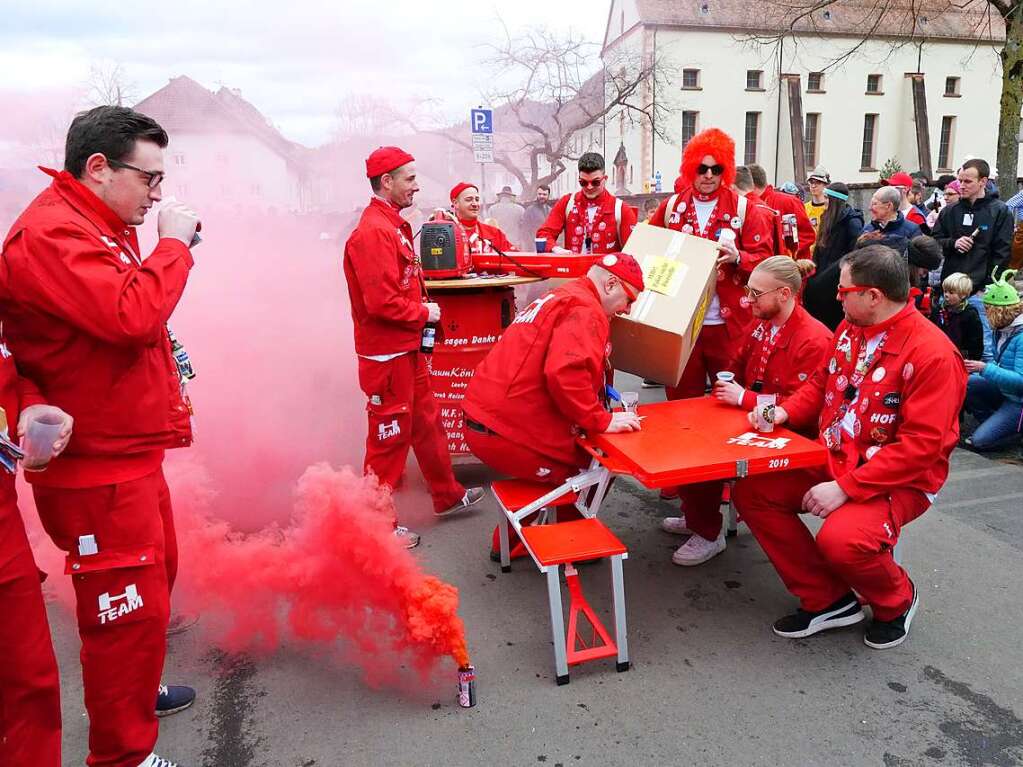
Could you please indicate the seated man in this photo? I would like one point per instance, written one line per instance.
(887, 403)
(544, 381)
(481, 237)
(780, 352)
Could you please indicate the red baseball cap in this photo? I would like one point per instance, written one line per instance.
(385, 159)
(901, 178)
(460, 187)
(624, 267)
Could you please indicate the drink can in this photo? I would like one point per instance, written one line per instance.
(765, 411)
(467, 686)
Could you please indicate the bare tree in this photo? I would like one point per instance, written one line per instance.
(899, 23)
(363, 114)
(108, 85)
(549, 88)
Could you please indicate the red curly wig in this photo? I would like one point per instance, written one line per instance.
(713, 142)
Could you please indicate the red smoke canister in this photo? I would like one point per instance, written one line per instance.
(467, 686)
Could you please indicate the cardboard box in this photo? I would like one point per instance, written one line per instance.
(680, 272)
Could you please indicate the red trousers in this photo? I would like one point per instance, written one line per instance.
(712, 353)
(123, 595)
(701, 505)
(29, 685)
(403, 413)
(515, 460)
(853, 548)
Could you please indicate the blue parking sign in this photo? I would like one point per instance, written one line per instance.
(481, 120)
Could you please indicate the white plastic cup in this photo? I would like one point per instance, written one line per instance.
(725, 376)
(630, 400)
(40, 434)
(765, 411)
(726, 235)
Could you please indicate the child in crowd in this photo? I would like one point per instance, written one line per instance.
(960, 320)
(994, 394)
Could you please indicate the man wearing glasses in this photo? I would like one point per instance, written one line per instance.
(783, 350)
(592, 220)
(85, 316)
(886, 401)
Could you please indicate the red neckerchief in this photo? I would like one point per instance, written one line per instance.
(474, 237)
(767, 345)
(693, 221)
(582, 207)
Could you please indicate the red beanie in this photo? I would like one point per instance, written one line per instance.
(713, 142)
(460, 187)
(624, 267)
(385, 159)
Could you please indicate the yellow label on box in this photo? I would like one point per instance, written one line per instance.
(663, 275)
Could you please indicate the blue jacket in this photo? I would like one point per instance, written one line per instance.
(895, 234)
(1006, 372)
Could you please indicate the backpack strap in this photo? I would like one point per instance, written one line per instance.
(618, 221)
(569, 206)
(741, 208)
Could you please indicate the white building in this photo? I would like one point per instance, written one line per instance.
(925, 100)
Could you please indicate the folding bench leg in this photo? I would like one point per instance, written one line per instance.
(557, 623)
(502, 534)
(621, 632)
(732, 521)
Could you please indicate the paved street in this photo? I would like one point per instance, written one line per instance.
(710, 683)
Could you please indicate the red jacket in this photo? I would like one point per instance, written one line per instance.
(754, 242)
(787, 203)
(88, 324)
(478, 234)
(906, 417)
(774, 217)
(605, 233)
(16, 393)
(543, 381)
(385, 282)
(796, 355)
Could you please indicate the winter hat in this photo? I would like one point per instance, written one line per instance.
(1001, 292)
(624, 267)
(385, 159)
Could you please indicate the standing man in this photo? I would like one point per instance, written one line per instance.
(507, 212)
(86, 318)
(887, 224)
(389, 312)
(817, 182)
(536, 213)
(592, 220)
(797, 231)
(975, 235)
(910, 190)
(783, 350)
(707, 206)
(887, 404)
(465, 204)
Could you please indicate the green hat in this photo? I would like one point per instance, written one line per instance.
(1001, 292)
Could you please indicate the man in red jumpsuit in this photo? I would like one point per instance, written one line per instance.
(86, 318)
(592, 220)
(707, 206)
(798, 240)
(389, 312)
(465, 203)
(886, 402)
(29, 685)
(783, 350)
(544, 381)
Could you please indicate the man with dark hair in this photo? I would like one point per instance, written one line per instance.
(798, 233)
(536, 213)
(390, 309)
(975, 235)
(592, 220)
(886, 401)
(85, 316)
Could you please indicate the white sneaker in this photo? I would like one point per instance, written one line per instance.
(157, 761)
(675, 526)
(698, 550)
(406, 537)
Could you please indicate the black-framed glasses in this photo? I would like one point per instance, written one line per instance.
(755, 294)
(717, 169)
(155, 176)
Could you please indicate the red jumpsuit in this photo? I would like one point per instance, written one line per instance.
(385, 285)
(29, 685)
(786, 204)
(771, 365)
(541, 385)
(86, 320)
(717, 344)
(890, 419)
(592, 220)
(479, 235)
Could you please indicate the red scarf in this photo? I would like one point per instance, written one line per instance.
(718, 218)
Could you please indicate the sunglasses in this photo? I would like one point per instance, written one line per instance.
(755, 294)
(592, 184)
(702, 169)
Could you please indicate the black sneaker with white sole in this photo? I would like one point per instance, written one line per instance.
(845, 612)
(882, 635)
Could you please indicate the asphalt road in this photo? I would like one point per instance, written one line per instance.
(710, 683)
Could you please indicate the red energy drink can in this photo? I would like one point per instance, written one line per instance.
(467, 686)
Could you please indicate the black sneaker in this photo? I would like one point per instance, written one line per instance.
(172, 698)
(845, 612)
(884, 634)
